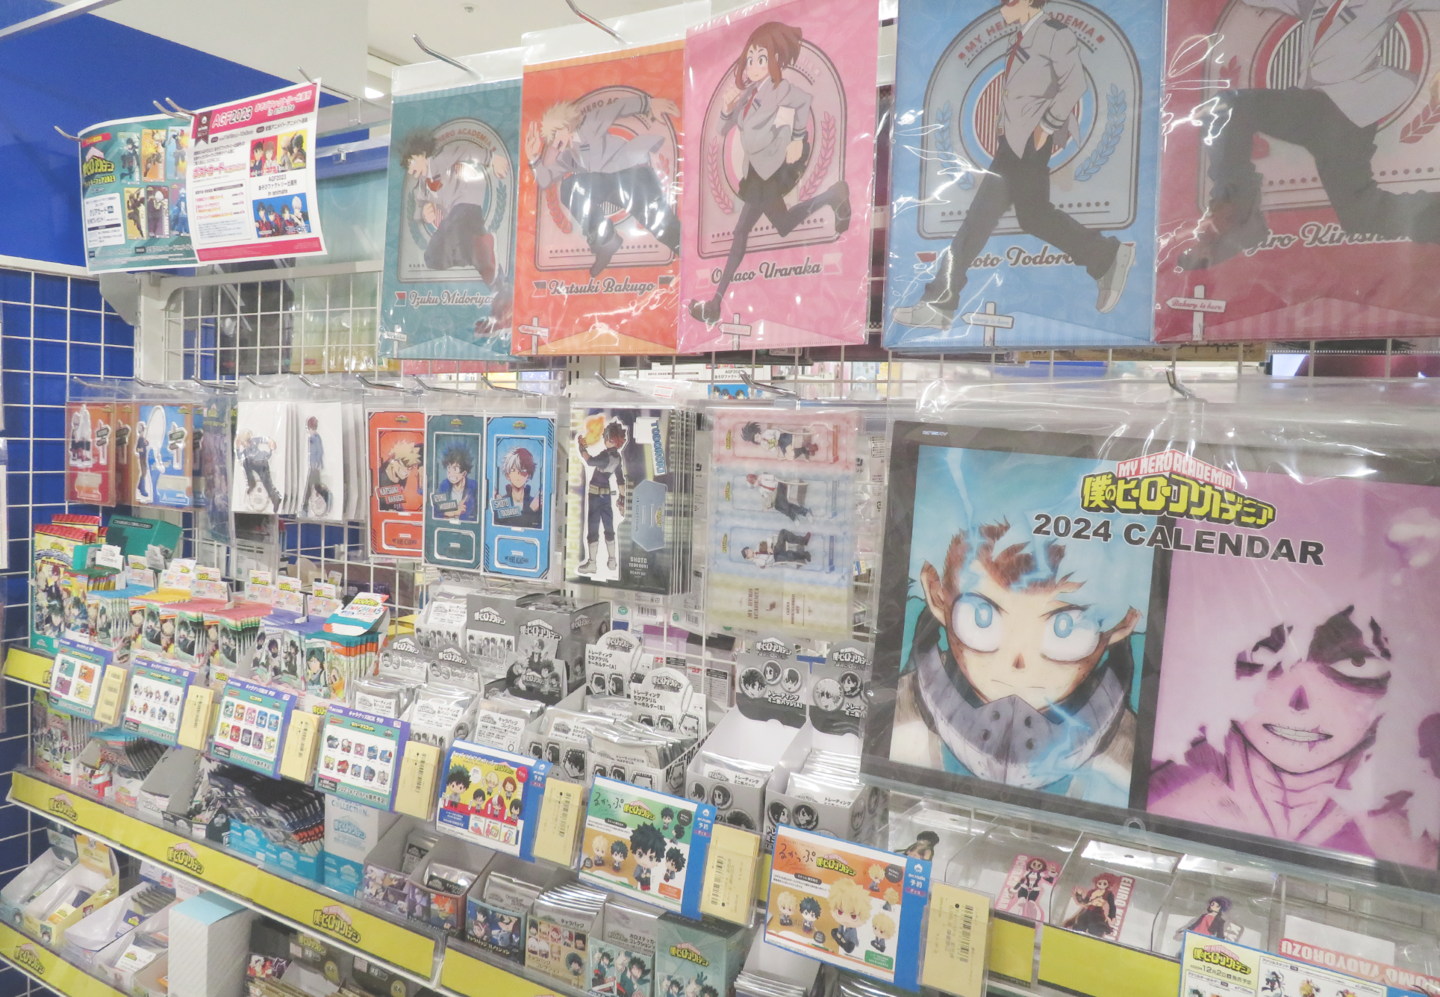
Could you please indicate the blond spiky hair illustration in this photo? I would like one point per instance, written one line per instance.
(563, 114)
(406, 453)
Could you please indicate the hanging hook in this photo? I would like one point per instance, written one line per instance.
(65, 134)
(217, 386)
(485, 378)
(1175, 383)
(305, 379)
(335, 90)
(436, 387)
(176, 107)
(615, 385)
(767, 386)
(443, 57)
(169, 113)
(382, 386)
(590, 20)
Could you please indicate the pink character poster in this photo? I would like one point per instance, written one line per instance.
(1299, 696)
(779, 167)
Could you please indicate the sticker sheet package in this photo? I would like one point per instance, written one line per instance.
(626, 507)
(783, 520)
(75, 677)
(134, 204)
(453, 535)
(780, 121)
(519, 495)
(656, 844)
(450, 227)
(397, 480)
(252, 726)
(492, 797)
(157, 697)
(162, 455)
(837, 892)
(360, 756)
(90, 453)
(598, 256)
(1024, 174)
(1299, 196)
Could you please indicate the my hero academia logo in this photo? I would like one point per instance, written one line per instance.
(1173, 484)
(1220, 957)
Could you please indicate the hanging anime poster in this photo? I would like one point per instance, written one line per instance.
(519, 495)
(1296, 697)
(397, 483)
(90, 453)
(780, 114)
(450, 229)
(216, 427)
(132, 195)
(782, 523)
(1014, 620)
(251, 179)
(598, 255)
(1299, 194)
(1024, 172)
(456, 447)
(162, 455)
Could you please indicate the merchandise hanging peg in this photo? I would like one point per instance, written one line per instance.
(595, 21)
(168, 112)
(443, 57)
(333, 89)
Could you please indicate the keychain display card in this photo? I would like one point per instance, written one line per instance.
(75, 677)
(360, 756)
(782, 519)
(852, 906)
(252, 726)
(397, 482)
(264, 446)
(1299, 194)
(162, 455)
(157, 700)
(492, 797)
(453, 534)
(779, 176)
(90, 453)
(598, 256)
(519, 495)
(648, 844)
(449, 274)
(1023, 175)
(217, 426)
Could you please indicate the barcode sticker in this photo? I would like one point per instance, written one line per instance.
(956, 941)
(560, 814)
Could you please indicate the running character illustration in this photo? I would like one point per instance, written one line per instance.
(601, 174)
(1044, 81)
(776, 130)
(453, 184)
(605, 495)
(1346, 89)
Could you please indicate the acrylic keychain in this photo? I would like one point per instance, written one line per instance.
(90, 442)
(261, 471)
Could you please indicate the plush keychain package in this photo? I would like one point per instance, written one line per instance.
(779, 168)
(456, 444)
(519, 495)
(1023, 174)
(450, 228)
(1299, 192)
(397, 478)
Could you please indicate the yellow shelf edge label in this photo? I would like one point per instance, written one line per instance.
(464, 974)
(1084, 965)
(45, 965)
(25, 665)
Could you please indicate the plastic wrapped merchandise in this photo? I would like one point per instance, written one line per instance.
(1024, 173)
(558, 931)
(1300, 191)
(1168, 607)
(780, 168)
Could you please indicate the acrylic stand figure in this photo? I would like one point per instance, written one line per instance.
(255, 453)
(317, 496)
(606, 466)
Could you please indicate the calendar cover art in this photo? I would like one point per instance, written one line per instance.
(453, 535)
(397, 482)
(519, 495)
(90, 453)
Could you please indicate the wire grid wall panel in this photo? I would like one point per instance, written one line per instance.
(55, 328)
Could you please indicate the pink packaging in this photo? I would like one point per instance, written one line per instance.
(770, 151)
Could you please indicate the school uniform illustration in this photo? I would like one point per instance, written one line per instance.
(1345, 90)
(451, 193)
(255, 453)
(1044, 81)
(603, 176)
(605, 467)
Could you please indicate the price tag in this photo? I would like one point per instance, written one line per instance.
(560, 813)
(955, 941)
(109, 556)
(729, 890)
(112, 691)
(298, 761)
(197, 720)
(415, 791)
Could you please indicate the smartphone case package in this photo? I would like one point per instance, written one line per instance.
(519, 495)
(396, 446)
(453, 537)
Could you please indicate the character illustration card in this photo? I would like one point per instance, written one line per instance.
(519, 495)
(397, 480)
(616, 970)
(260, 475)
(598, 256)
(90, 453)
(132, 188)
(1099, 908)
(651, 845)
(780, 115)
(322, 496)
(1014, 613)
(1027, 888)
(456, 444)
(125, 458)
(832, 900)
(163, 456)
(450, 229)
(1024, 173)
(1299, 192)
(217, 427)
(1295, 699)
(782, 522)
(492, 797)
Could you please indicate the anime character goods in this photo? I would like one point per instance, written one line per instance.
(1212, 922)
(645, 864)
(1026, 890)
(317, 500)
(780, 111)
(520, 493)
(599, 233)
(1101, 906)
(1298, 179)
(1024, 165)
(164, 455)
(89, 467)
(132, 227)
(397, 468)
(602, 500)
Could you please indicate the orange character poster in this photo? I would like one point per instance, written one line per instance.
(397, 473)
(597, 262)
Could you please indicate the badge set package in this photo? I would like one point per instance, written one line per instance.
(1284, 598)
(854, 907)
(628, 504)
(253, 722)
(1023, 174)
(782, 520)
(360, 756)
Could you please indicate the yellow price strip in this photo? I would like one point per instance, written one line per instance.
(1081, 964)
(472, 977)
(27, 666)
(47, 967)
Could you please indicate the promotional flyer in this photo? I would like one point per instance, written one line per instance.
(133, 198)
(450, 228)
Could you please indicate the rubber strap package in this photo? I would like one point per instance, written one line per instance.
(1299, 195)
(1172, 609)
(1023, 174)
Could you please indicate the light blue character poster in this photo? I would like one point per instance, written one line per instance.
(450, 233)
(520, 495)
(1024, 167)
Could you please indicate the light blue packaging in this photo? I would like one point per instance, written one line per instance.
(519, 495)
(1048, 273)
(352, 830)
(251, 841)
